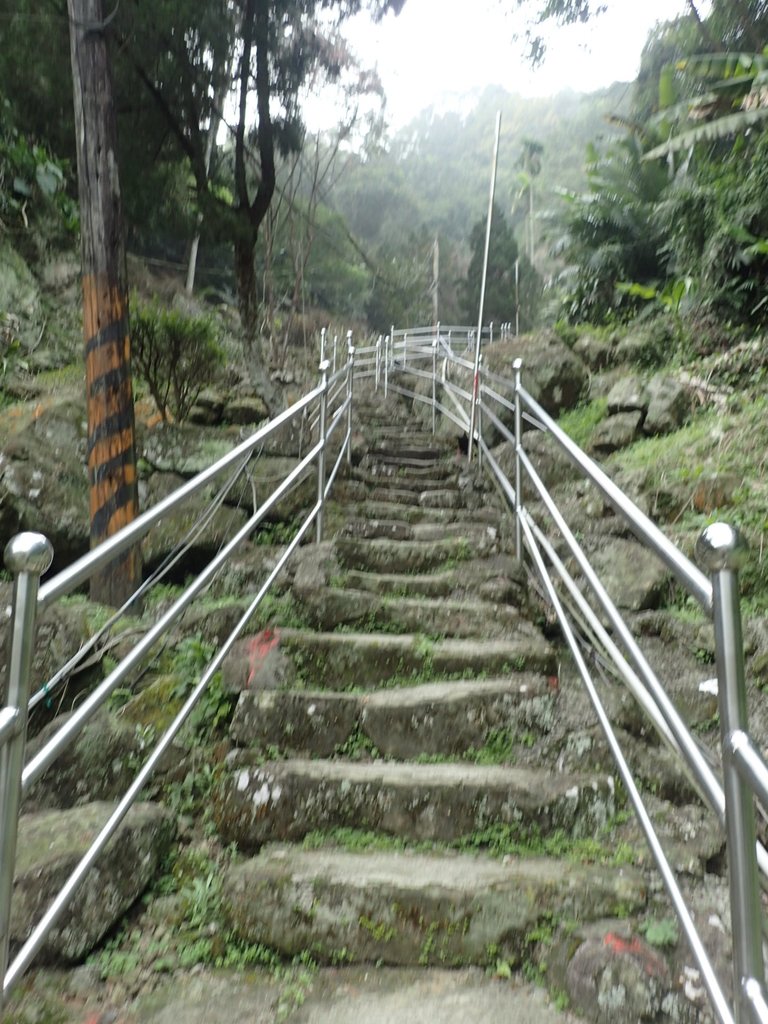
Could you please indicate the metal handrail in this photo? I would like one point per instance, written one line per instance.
(745, 770)
(28, 556)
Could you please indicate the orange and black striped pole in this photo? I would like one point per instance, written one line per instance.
(109, 395)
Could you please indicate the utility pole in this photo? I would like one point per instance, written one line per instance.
(113, 497)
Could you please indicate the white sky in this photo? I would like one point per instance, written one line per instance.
(437, 51)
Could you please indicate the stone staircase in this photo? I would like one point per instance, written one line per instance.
(386, 790)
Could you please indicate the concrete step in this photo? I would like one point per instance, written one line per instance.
(258, 802)
(436, 719)
(407, 556)
(342, 661)
(414, 909)
(332, 607)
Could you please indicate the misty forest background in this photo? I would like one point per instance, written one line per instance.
(645, 199)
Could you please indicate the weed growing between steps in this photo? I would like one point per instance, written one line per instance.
(180, 925)
(497, 840)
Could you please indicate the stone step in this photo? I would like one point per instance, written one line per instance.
(394, 529)
(497, 579)
(421, 513)
(331, 607)
(443, 477)
(415, 470)
(407, 556)
(410, 450)
(404, 908)
(341, 661)
(351, 491)
(257, 802)
(445, 719)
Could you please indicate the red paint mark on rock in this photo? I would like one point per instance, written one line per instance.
(653, 965)
(259, 647)
(553, 682)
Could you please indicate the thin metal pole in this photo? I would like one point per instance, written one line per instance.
(335, 340)
(350, 390)
(517, 297)
(27, 556)
(479, 414)
(517, 367)
(386, 365)
(482, 285)
(434, 384)
(322, 345)
(378, 361)
(321, 454)
(722, 551)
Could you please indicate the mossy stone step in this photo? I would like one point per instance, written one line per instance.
(394, 529)
(405, 481)
(423, 514)
(443, 498)
(259, 802)
(395, 468)
(331, 607)
(405, 556)
(340, 661)
(414, 909)
(445, 719)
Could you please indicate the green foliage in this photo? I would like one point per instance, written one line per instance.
(32, 181)
(175, 354)
(214, 707)
(579, 423)
(500, 294)
(663, 932)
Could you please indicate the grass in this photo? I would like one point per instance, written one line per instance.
(579, 423)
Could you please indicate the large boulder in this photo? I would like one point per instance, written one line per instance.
(44, 483)
(49, 847)
(552, 373)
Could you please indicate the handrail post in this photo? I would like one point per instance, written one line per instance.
(434, 384)
(322, 345)
(479, 412)
(405, 348)
(350, 391)
(335, 342)
(387, 347)
(722, 551)
(27, 556)
(378, 362)
(321, 454)
(392, 346)
(517, 366)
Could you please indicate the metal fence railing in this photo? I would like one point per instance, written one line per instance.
(324, 418)
(430, 366)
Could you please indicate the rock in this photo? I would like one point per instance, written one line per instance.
(632, 575)
(629, 394)
(595, 350)
(616, 432)
(44, 484)
(179, 527)
(715, 490)
(50, 845)
(208, 408)
(552, 373)
(257, 663)
(668, 406)
(99, 764)
(618, 980)
(411, 908)
(245, 409)
(185, 449)
(19, 294)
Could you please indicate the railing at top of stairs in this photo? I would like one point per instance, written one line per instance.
(440, 368)
(320, 416)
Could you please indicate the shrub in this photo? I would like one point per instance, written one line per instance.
(175, 354)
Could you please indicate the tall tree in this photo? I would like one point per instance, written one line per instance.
(111, 456)
(277, 45)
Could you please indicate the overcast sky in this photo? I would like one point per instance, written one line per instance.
(437, 51)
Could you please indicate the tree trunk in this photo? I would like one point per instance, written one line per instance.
(109, 397)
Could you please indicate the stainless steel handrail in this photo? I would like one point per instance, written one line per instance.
(721, 551)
